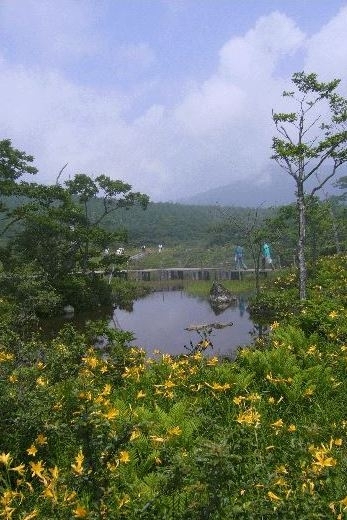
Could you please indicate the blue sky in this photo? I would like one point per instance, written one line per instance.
(173, 96)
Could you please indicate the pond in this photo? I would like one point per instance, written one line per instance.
(159, 320)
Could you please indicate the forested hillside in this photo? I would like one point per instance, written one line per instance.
(171, 224)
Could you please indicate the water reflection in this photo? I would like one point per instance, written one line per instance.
(159, 320)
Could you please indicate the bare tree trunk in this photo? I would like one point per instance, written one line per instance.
(301, 241)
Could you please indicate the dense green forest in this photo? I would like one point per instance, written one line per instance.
(172, 224)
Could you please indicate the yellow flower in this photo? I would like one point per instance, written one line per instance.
(124, 457)
(238, 400)
(123, 501)
(274, 325)
(112, 413)
(281, 482)
(41, 381)
(218, 387)
(140, 394)
(281, 469)
(135, 434)
(309, 392)
(5, 356)
(20, 469)
(106, 390)
(273, 497)
(343, 502)
(321, 458)
(338, 442)
(5, 458)
(271, 400)
(333, 314)
(249, 417)
(91, 361)
(155, 438)
(176, 430)
(278, 424)
(41, 439)
(212, 361)
(37, 469)
(31, 515)
(54, 472)
(13, 378)
(292, 428)
(78, 466)
(80, 512)
(32, 450)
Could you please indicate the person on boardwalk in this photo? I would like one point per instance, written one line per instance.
(267, 259)
(239, 262)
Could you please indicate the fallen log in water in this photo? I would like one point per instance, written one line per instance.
(205, 326)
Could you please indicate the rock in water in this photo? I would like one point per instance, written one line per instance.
(220, 294)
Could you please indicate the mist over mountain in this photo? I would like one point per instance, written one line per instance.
(276, 189)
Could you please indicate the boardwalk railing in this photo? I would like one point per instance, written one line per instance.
(188, 273)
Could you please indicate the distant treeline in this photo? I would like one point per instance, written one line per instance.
(171, 223)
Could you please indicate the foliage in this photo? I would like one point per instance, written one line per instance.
(68, 236)
(97, 434)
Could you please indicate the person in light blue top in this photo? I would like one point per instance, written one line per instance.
(267, 259)
(239, 262)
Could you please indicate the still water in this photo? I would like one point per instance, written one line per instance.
(158, 321)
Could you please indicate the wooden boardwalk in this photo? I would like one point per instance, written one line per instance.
(188, 273)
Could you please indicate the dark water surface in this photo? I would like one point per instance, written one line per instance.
(158, 321)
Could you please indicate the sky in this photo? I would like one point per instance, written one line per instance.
(171, 96)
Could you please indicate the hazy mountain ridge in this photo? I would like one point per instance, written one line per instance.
(277, 190)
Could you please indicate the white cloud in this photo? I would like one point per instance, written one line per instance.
(213, 133)
(327, 50)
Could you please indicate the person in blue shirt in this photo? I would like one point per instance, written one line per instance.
(267, 259)
(239, 262)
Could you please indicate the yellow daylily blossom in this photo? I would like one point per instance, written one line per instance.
(80, 512)
(37, 469)
(176, 430)
(278, 424)
(308, 392)
(292, 428)
(5, 356)
(20, 469)
(112, 413)
(273, 497)
(107, 389)
(274, 325)
(41, 381)
(32, 450)
(249, 417)
(140, 394)
(31, 515)
(123, 501)
(212, 361)
(135, 434)
(41, 439)
(155, 438)
(78, 466)
(124, 457)
(5, 458)
(218, 387)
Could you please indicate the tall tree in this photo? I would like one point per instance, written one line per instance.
(310, 145)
